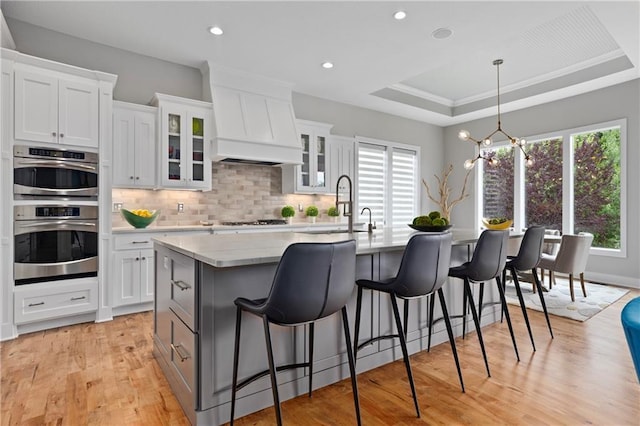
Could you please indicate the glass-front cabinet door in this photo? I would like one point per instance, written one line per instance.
(312, 175)
(185, 160)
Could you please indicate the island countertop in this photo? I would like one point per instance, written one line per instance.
(223, 251)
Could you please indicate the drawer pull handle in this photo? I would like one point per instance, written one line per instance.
(181, 285)
(78, 298)
(183, 356)
(36, 304)
(139, 242)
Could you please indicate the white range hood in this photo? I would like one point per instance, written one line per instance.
(254, 119)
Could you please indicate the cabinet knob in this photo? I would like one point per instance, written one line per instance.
(137, 177)
(130, 177)
(137, 258)
(62, 135)
(53, 133)
(144, 258)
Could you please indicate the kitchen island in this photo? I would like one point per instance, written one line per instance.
(198, 277)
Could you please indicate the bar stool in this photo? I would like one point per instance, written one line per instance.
(422, 272)
(487, 263)
(312, 281)
(528, 258)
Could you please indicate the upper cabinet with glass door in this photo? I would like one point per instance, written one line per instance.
(312, 176)
(184, 145)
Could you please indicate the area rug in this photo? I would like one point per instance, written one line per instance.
(558, 298)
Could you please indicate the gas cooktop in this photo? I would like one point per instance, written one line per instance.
(257, 222)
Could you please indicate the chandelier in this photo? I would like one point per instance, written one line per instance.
(486, 141)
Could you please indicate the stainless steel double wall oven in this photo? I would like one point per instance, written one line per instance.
(56, 226)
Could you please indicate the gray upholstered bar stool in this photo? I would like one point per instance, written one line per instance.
(423, 271)
(528, 258)
(312, 281)
(487, 263)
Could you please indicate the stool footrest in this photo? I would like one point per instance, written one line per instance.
(375, 339)
(257, 376)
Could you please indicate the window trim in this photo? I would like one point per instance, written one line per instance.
(390, 146)
(567, 184)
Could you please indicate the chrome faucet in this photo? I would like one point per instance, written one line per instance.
(371, 227)
(348, 205)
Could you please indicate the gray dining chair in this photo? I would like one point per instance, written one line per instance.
(571, 259)
(312, 281)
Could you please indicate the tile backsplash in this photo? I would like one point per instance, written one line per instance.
(239, 192)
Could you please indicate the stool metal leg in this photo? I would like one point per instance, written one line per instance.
(236, 351)
(352, 363)
(357, 330)
(505, 310)
(516, 282)
(452, 339)
(311, 338)
(472, 306)
(272, 370)
(464, 313)
(480, 299)
(432, 305)
(538, 284)
(406, 317)
(405, 354)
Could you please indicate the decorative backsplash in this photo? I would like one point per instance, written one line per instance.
(240, 192)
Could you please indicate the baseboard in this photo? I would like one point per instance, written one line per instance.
(598, 278)
(8, 331)
(132, 309)
(54, 323)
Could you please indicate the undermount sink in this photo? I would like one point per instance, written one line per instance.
(332, 231)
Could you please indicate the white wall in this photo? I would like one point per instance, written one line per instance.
(139, 77)
(620, 101)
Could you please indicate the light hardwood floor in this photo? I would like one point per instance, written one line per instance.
(105, 374)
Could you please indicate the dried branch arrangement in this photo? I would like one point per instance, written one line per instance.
(444, 191)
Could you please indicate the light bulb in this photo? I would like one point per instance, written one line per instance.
(216, 30)
(487, 141)
(523, 142)
(493, 161)
(468, 164)
(529, 160)
(464, 135)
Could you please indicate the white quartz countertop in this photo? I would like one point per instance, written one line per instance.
(246, 249)
(212, 228)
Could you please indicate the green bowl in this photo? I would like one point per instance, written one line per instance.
(138, 221)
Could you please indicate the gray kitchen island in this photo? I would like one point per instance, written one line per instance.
(198, 277)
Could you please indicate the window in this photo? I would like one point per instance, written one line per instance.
(576, 184)
(387, 181)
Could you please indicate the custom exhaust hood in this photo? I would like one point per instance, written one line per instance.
(253, 117)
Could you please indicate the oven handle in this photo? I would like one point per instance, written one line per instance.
(56, 163)
(52, 225)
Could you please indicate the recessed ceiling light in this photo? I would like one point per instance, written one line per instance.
(400, 15)
(216, 30)
(441, 33)
(327, 65)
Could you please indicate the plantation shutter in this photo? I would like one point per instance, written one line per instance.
(404, 203)
(371, 180)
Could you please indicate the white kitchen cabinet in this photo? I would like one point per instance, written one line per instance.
(185, 139)
(342, 155)
(134, 146)
(53, 109)
(312, 177)
(133, 283)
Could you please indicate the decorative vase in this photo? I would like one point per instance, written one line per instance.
(312, 219)
(289, 220)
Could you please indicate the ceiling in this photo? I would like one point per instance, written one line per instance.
(550, 49)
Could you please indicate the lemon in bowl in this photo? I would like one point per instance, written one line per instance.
(500, 223)
(139, 218)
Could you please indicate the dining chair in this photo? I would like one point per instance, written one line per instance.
(312, 281)
(571, 259)
(550, 248)
(423, 271)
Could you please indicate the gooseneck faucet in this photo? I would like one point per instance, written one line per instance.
(371, 227)
(348, 205)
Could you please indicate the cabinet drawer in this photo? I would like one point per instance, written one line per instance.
(37, 302)
(183, 289)
(183, 355)
(142, 240)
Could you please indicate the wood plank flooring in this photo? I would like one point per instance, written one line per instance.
(105, 374)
